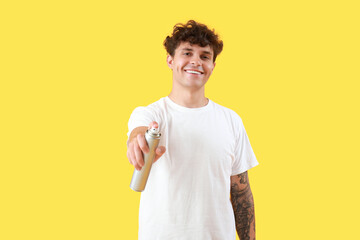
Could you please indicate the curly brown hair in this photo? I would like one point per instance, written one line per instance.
(194, 33)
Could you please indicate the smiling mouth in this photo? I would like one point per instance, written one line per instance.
(194, 72)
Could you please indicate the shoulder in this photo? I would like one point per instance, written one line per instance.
(155, 111)
(229, 113)
(230, 119)
(151, 108)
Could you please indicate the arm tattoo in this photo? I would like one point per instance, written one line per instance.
(243, 205)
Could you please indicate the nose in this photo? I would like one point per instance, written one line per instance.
(196, 60)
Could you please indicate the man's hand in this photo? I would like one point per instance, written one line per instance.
(137, 146)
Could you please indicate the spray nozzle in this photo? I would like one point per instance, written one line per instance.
(154, 130)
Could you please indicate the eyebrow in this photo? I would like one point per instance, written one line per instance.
(191, 50)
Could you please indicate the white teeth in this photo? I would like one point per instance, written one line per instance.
(189, 71)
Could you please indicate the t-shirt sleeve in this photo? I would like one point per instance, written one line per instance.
(141, 116)
(244, 154)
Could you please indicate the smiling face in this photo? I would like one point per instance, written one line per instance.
(192, 65)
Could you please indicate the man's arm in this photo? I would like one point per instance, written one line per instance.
(243, 205)
(137, 146)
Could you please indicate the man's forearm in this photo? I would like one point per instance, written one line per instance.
(243, 205)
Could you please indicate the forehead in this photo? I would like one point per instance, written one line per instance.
(194, 47)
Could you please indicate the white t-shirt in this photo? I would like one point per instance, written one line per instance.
(187, 196)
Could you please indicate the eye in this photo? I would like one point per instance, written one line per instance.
(187, 54)
(205, 57)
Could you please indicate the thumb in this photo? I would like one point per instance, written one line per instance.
(159, 152)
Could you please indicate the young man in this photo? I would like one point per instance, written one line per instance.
(204, 149)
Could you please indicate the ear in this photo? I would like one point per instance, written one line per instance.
(213, 67)
(170, 61)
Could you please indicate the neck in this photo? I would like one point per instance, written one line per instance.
(189, 99)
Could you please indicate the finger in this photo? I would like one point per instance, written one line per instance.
(138, 155)
(142, 143)
(137, 167)
(153, 124)
(159, 152)
(128, 156)
(132, 155)
(133, 159)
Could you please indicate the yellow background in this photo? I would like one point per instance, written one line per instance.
(72, 72)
